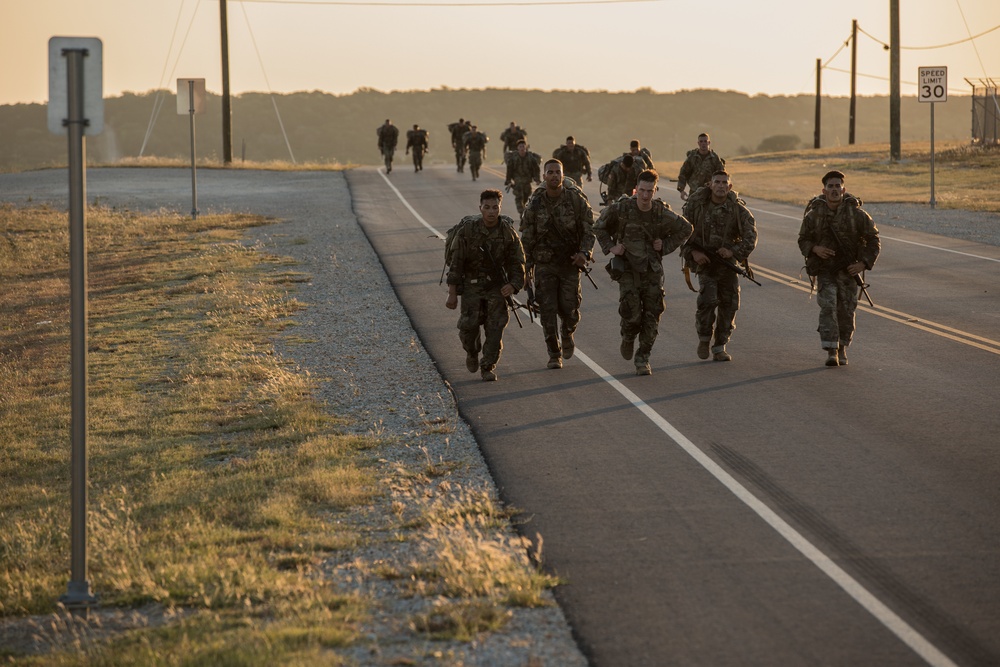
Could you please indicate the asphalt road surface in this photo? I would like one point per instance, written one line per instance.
(765, 511)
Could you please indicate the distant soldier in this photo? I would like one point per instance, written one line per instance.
(557, 230)
(699, 166)
(475, 143)
(639, 230)
(623, 176)
(840, 242)
(388, 135)
(510, 137)
(417, 140)
(640, 155)
(458, 131)
(487, 268)
(723, 226)
(575, 160)
(523, 169)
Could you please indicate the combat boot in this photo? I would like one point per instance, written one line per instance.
(703, 350)
(720, 354)
(842, 355)
(831, 359)
(555, 362)
(568, 345)
(472, 362)
(489, 375)
(643, 368)
(627, 347)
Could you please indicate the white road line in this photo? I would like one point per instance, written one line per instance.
(892, 238)
(903, 630)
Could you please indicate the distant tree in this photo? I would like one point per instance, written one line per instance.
(778, 143)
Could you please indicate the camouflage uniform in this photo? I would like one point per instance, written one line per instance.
(643, 156)
(510, 136)
(417, 140)
(622, 181)
(697, 169)
(727, 225)
(640, 285)
(552, 232)
(852, 233)
(521, 172)
(483, 306)
(458, 131)
(475, 143)
(576, 162)
(388, 135)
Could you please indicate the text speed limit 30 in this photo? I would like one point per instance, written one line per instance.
(933, 84)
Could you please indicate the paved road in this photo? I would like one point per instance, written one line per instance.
(760, 512)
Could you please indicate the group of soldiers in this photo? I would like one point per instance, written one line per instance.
(551, 250)
(416, 140)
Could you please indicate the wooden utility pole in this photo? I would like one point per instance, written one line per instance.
(227, 109)
(854, 80)
(819, 69)
(895, 141)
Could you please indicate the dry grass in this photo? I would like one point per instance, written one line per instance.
(271, 165)
(214, 472)
(965, 176)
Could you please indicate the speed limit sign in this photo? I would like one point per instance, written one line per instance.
(933, 84)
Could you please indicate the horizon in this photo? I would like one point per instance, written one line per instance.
(768, 48)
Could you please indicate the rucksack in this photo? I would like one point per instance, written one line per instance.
(604, 171)
(451, 236)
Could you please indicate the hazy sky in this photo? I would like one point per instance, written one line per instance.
(754, 46)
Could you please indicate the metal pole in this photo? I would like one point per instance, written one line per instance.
(227, 109)
(819, 69)
(194, 168)
(933, 201)
(78, 597)
(854, 79)
(895, 141)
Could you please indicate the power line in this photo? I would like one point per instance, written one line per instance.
(938, 46)
(390, 3)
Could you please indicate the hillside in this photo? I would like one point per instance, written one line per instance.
(329, 128)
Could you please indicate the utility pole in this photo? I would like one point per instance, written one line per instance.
(227, 109)
(854, 79)
(895, 149)
(819, 69)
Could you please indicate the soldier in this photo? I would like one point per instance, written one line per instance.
(640, 154)
(523, 169)
(722, 226)
(622, 177)
(458, 131)
(639, 230)
(475, 143)
(840, 242)
(557, 229)
(487, 268)
(699, 166)
(575, 160)
(417, 140)
(388, 135)
(510, 137)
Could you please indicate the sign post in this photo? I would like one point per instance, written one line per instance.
(76, 108)
(191, 100)
(933, 88)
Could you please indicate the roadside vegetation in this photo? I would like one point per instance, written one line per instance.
(965, 176)
(222, 492)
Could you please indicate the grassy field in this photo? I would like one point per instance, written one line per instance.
(966, 177)
(219, 484)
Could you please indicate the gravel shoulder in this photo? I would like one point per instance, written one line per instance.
(355, 338)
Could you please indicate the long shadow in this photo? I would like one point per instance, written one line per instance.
(931, 620)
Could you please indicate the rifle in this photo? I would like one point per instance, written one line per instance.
(586, 271)
(859, 281)
(498, 272)
(714, 256)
